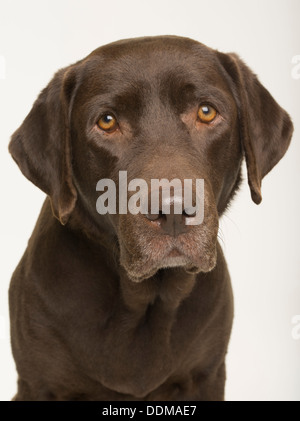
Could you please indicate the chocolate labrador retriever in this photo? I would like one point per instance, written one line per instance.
(124, 305)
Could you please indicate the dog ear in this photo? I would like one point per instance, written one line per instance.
(41, 146)
(265, 128)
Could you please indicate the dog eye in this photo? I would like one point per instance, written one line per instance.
(107, 123)
(206, 113)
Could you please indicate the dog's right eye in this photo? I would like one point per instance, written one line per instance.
(107, 123)
(206, 113)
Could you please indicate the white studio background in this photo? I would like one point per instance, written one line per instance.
(261, 243)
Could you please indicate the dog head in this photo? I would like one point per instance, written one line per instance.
(152, 108)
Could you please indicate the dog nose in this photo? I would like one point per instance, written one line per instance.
(171, 216)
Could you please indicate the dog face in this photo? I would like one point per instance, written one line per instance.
(157, 108)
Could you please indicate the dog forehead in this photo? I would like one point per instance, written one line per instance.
(152, 59)
(147, 45)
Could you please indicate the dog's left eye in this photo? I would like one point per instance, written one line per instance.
(206, 113)
(107, 123)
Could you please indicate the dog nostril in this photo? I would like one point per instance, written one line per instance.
(188, 214)
(155, 216)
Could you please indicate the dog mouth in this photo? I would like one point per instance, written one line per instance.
(191, 263)
(193, 258)
(174, 258)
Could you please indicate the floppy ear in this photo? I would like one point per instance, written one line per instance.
(265, 128)
(41, 145)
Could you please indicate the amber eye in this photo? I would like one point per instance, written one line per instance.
(107, 122)
(206, 113)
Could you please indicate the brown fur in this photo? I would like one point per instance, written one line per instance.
(96, 314)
